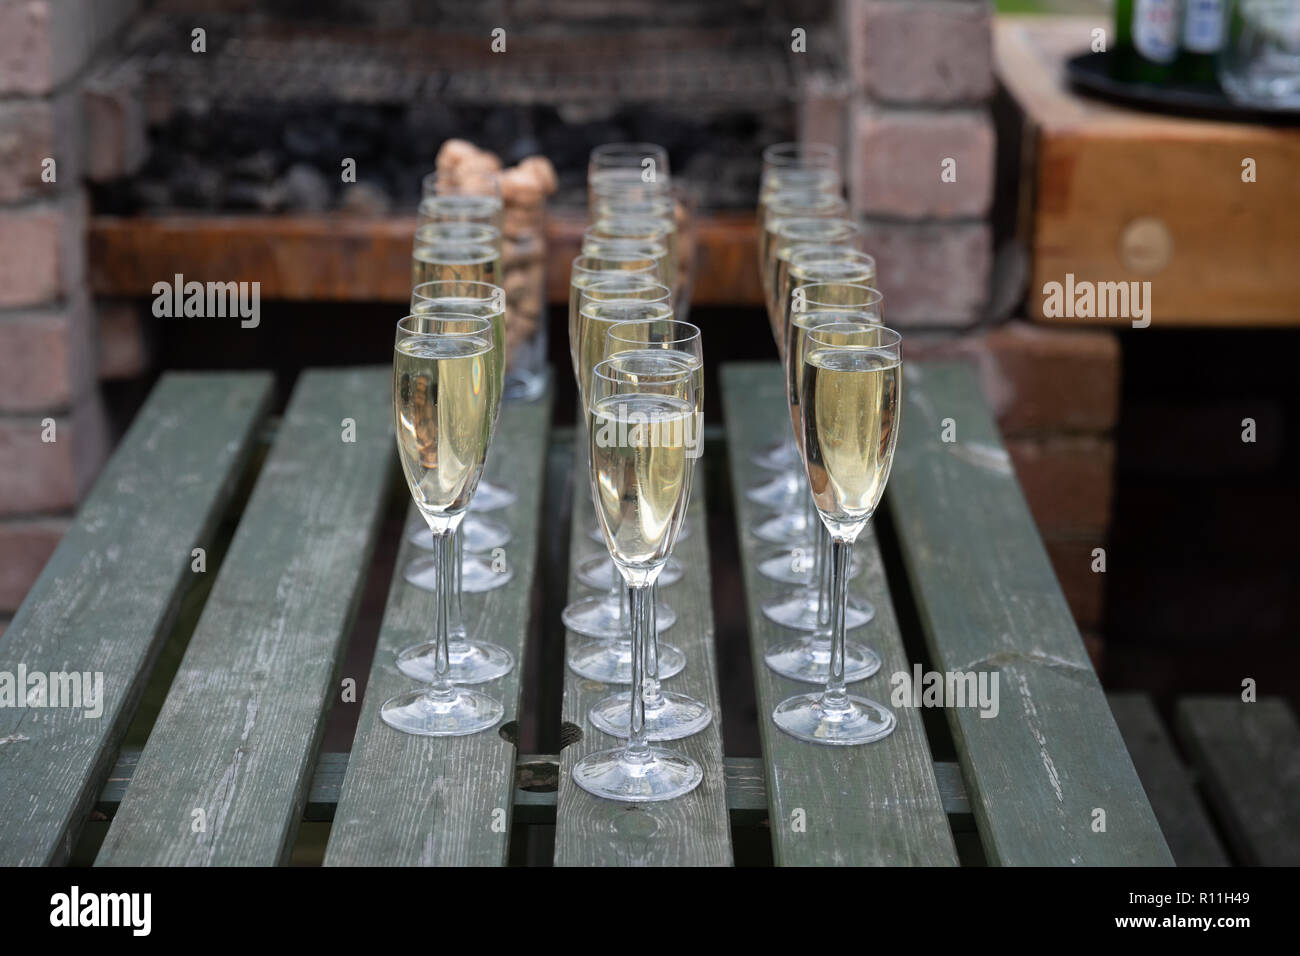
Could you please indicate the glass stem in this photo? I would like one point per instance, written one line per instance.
(822, 569)
(835, 696)
(652, 696)
(456, 621)
(444, 553)
(643, 622)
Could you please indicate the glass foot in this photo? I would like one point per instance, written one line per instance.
(476, 574)
(490, 497)
(798, 611)
(479, 534)
(472, 662)
(858, 721)
(610, 662)
(599, 616)
(428, 714)
(808, 659)
(675, 716)
(598, 572)
(641, 776)
(782, 493)
(795, 566)
(779, 457)
(790, 527)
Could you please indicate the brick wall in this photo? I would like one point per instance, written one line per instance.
(919, 82)
(57, 124)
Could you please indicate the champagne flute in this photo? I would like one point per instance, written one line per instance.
(795, 522)
(445, 396)
(477, 534)
(849, 417)
(606, 617)
(598, 571)
(784, 492)
(441, 260)
(472, 662)
(613, 289)
(596, 243)
(629, 169)
(586, 270)
(805, 609)
(643, 229)
(805, 204)
(465, 252)
(671, 715)
(640, 414)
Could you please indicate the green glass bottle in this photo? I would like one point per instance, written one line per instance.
(1146, 39)
(1205, 27)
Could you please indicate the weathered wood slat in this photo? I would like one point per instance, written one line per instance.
(746, 787)
(425, 801)
(989, 602)
(1168, 785)
(109, 594)
(877, 804)
(1248, 756)
(241, 725)
(692, 830)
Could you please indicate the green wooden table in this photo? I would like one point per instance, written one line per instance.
(233, 764)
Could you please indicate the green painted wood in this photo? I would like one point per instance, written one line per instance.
(1248, 757)
(1169, 786)
(425, 801)
(878, 804)
(109, 594)
(988, 601)
(239, 731)
(692, 830)
(536, 783)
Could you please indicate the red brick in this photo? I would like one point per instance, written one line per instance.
(822, 109)
(31, 131)
(1038, 380)
(43, 43)
(26, 546)
(896, 163)
(939, 51)
(1084, 589)
(932, 274)
(116, 141)
(1068, 482)
(45, 357)
(37, 476)
(42, 250)
(123, 350)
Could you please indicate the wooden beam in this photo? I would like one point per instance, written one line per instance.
(333, 258)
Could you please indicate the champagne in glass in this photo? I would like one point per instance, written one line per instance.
(660, 346)
(445, 397)
(850, 413)
(639, 417)
(587, 270)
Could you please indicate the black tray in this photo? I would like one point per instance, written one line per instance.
(1090, 72)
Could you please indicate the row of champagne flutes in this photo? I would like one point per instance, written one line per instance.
(843, 381)
(640, 377)
(449, 373)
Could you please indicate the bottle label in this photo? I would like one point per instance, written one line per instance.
(1155, 29)
(1203, 27)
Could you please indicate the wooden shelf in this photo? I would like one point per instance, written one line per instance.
(331, 258)
(1112, 194)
